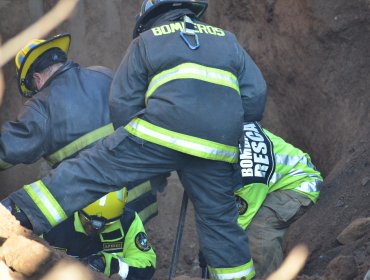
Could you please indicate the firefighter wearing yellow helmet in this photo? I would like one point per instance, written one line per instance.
(108, 237)
(66, 111)
(66, 108)
(178, 102)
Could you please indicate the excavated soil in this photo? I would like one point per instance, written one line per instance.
(315, 57)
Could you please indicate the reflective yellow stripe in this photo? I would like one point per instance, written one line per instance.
(5, 165)
(241, 272)
(45, 201)
(80, 143)
(193, 71)
(138, 190)
(149, 211)
(183, 143)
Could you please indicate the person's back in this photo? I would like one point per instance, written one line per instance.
(67, 108)
(196, 93)
(76, 110)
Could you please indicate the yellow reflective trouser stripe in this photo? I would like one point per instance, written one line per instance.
(80, 143)
(45, 201)
(183, 143)
(148, 211)
(138, 191)
(193, 71)
(234, 273)
(5, 165)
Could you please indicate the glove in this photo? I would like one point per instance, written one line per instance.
(95, 262)
(16, 212)
(119, 266)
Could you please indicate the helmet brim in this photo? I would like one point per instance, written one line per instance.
(60, 41)
(198, 8)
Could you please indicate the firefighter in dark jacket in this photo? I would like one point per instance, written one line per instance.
(67, 111)
(178, 102)
(108, 237)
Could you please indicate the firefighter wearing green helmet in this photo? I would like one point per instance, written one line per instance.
(108, 237)
(178, 102)
(66, 111)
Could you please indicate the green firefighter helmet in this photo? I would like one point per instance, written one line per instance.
(152, 8)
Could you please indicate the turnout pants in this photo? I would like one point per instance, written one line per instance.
(121, 159)
(267, 229)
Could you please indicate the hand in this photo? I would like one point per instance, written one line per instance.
(95, 262)
(16, 212)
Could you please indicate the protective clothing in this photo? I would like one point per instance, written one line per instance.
(122, 242)
(292, 169)
(67, 115)
(279, 184)
(70, 113)
(182, 110)
(31, 52)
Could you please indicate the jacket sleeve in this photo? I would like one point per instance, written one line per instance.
(127, 95)
(252, 86)
(22, 141)
(138, 253)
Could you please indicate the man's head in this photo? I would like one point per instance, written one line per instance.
(36, 62)
(103, 212)
(150, 9)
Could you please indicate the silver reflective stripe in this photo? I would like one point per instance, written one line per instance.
(199, 72)
(296, 172)
(308, 187)
(47, 203)
(193, 71)
(234, 275)
(181, 142)
(290, 160)
(275, 177)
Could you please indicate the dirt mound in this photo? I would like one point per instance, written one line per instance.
(315, 57)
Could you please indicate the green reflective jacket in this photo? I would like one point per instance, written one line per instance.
(293, 170)
(124, 240)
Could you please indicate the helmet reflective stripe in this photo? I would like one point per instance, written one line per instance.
(181, 142)
(79, 144)
(45, 201)
(110, 207)
(247, 271)
(23, 52)
(193, 71)
(103, 200)
(146, 5)
(153, 8)
(21, 56)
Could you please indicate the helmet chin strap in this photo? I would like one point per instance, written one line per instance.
(189, 31)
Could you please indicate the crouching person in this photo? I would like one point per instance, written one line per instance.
(108, 237)
(279, 184)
